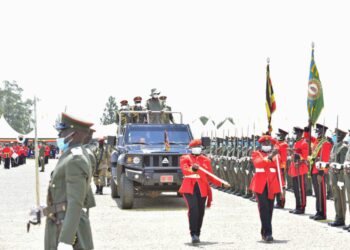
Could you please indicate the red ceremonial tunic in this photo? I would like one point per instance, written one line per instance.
(7, 152)
(188, 183)
(47, 151)
(283, 152)
(301, 147)
(265, 174)
(323, 155)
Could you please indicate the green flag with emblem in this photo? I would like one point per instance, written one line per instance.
(315, 102)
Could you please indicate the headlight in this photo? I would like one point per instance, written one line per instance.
(136, 160)
(133, 160)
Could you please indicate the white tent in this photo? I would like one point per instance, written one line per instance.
(197, 128)
(209, 128)
(6, 131)
(226, 128)
(105, 130)
(45, 129)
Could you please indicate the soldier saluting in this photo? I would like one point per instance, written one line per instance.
(67, 225)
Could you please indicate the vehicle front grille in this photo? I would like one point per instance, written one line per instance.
(158, 161)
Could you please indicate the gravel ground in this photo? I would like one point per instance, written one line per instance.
(161, 223)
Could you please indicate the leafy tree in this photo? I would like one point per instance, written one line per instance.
(17, 112)
(109, 114)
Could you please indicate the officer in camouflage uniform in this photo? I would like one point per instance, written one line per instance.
(166, 118)
(42, 157)
(336, 175)
(102, 171)
(67, 224)
(154, 104)
(137, 117)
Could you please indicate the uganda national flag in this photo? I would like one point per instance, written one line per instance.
(315, 93)
(270, 98)
(166, 141)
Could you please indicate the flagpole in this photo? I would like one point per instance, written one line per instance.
(310, 131)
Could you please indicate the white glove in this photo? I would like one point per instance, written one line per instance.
(64, 246)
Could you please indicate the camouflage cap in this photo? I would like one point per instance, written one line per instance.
(68, 121)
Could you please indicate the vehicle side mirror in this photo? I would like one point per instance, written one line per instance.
(205, 141)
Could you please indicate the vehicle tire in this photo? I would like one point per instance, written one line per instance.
(114, 189)
(126, 192)
(179, 194)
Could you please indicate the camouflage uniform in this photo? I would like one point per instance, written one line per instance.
(102, 170)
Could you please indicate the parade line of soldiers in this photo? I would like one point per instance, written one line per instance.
(324, 171)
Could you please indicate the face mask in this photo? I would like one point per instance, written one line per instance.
(61, 145)
(138, 104)
(266, 148)
(124, 107)
(196, 150)
(155, 96)
(334, 138)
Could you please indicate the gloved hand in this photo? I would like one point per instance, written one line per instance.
(195, 167)
(226, 185)
(64, 246)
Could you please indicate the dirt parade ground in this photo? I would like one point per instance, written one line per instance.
(161, 223)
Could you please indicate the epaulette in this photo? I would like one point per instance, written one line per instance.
(77, 151)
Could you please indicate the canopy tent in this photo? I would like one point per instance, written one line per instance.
(197, 128)
(7, 133)
(226, 128)
(45, 129)
(209, 128)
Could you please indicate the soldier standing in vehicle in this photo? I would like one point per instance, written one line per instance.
(137, 117)
(67, 224)
(124, 118)
(154, 104)
(166, 118)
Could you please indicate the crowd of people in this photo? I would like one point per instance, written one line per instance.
(14, 154)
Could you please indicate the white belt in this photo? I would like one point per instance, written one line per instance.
(262, 170)
(194, 176)
(335, 165)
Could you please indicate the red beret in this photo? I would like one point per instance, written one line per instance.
(267, 138)
(162, 97)
(195, 143)
(123, 102)
(138, 99)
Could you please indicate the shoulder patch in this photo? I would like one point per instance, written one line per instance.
(77, 151)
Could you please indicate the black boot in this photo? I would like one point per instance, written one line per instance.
(101, 190)
(97, 189)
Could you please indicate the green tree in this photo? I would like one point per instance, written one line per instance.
(109, 114)
(17, 112)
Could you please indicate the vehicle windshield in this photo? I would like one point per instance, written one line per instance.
(156, 135)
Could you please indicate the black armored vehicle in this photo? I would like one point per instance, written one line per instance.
(148, 160)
